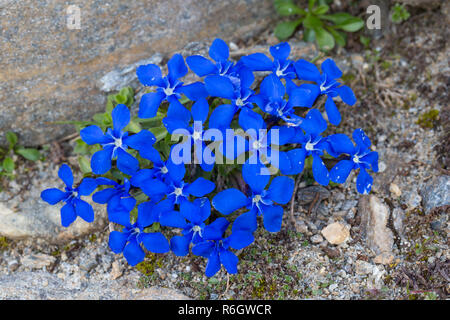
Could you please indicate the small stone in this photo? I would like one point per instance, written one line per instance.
(398, 216)
(363, 267)
(13, 265)
(395, 190)
(317, 238)
(332, 287)
(301, 226)
(384, 258)
(436, 193)
(116, 271)
(37, 261)
(336, 233)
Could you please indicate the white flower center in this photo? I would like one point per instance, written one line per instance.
(168, 91)
(164, 170)
(279, 73)
(239, 102)
(256, 198)
(196, 228)
(137, 230)
(256, 145)
(118, 143)
(309, 146)
(178, 191)
(355, 158)
(197, 135)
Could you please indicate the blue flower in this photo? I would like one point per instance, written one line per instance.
(260, 201)
(217, 249)
(237, 90)
(325, 84)
(71, 196)
(271, 100)
(191, 219)
(313, 144)
(262, 142)
(118, 199)
(178, 117)
(168, 88)
(220, 53)
(116, 142)
(131, 237)
(359, 157)
(281, 66)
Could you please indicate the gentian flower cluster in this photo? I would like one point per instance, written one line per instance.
(161, 194)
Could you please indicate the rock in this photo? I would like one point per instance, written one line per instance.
(336, 233)
(398, 216)
(374, 218)
(37, 261)
(30, 286)
(384, 258)
(116, 271)
(436, 193)
(52, 73)
(26, 215)
(308, 194)
(317, 238)
(13, 265)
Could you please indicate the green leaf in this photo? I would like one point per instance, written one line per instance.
(12, 139)
(309, 35)
(284, 30)
(351, 25)
(322, 9)
(311, 5)
(365, 41)
(287, 8)
(159, 132)
(324, 39)
(312, 22)
(133, 126)
(339, 37)
(338, 18)
(8, 165)
(29, 153)
(84, 164)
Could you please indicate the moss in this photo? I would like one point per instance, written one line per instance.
(93, 238)
(148, 267)
(428, 119)
(3, 243)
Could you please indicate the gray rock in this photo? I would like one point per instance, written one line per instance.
(52, 73)
(25, 215)
(374, 218)
(37, 261)
(436, 193)
(42, 285)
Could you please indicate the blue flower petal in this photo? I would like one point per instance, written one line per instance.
(229, 261)
(372, 159)
(272, 87)
(133, 252)
(53, 195)
(121, 117)
(200, 187)
(213, 264)
(117, 241)
(240, 239)
(307, 71)
(144, 139)
(281, 189)
(149, 75)
(229, 200)
(297, 160)
(347, 95)
(149, 104)
(65, 174)
(84, 210)
(203, 249)
(215, 230)
(320, 171)
(219, 86)
(200, 110)
(205, 209)
(219, 51)
(140, 177)
(180, 245)
(256, 175)
(339, 144)
(146, 215)
(333, 113)
(172, 219)
(222, 116)
(87, 186)
(249, 119)
(273, 217)
(304, 96)
(155, 242)
(177, 68)
(93, 135)
(201, 66)
(361, 139)
(331, 69)
(119, 217)
(339, 173)
(68, 215)
(101, 161)
(194, 91)
(314, 123)
(126, 163)
(245, 222)
(280, 51)
(176, 171)
(154, 189)
(257, 62)
(103, 196)
(177, 111)
(364, 182)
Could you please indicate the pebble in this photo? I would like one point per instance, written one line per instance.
(37, 261)
(317, 238)
(395, 190)
(336, 233)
